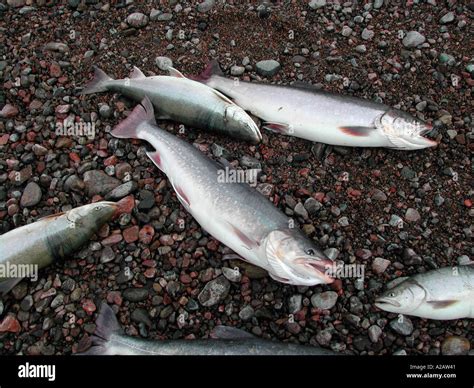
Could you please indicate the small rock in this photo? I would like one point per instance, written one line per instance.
(232, 274)
(412, 215)
(31, 195)
(295, 303)
(447, 18)
(402, 325)
(98, 182)
(163, 63)
(206, 6)
(367, 34)
(10, 324)
(267, 68)
(379, 265)
(237, 70)
(325, 300)
(246, 313)
(413, 39)
(9, 111)
(214, 291)
(316, 4)
(455, 346)
(135, 294)
(137, 20)
(374, 333)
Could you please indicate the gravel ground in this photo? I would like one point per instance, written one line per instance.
(154, 260)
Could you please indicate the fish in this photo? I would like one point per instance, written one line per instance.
(442, 294)
(178, 98)
(236, 214)
(303, 111)
(37, 245)
(109, 339)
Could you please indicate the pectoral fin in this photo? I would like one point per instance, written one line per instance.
(248, 242)
(277, 127)
(279, 279)
(357, 131)
(7, 284)
(183, 198)
(441, 304)
(136, 73)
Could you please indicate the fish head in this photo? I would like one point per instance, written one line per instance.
(404, 298)
(296, 259)
(92, 216)
(241, 125)
(404, 131)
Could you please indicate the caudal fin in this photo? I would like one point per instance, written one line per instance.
(142, 113)
(98, 83)
(106, 325)
(211, 69)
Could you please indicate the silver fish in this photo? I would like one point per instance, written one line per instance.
(37, 245)
(183, 100)
(234, 213)
(320, 116)
(109, 339)
(446, 293)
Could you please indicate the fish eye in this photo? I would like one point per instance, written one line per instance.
(310, 252)
(392, 295)
(97, 208)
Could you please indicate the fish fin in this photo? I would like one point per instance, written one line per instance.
(248, 242)
(181, 196)
(155, 158)
(175, 73)
(136, 73)
(106, 325)
(229, 333)
(8, 284)
(98, 84)
(278, 278)
(356, 130)
(143, 113)
(211, 69)
(304, 85)
(233, 256)
(277, 127)
(440, 304)
(223, 97)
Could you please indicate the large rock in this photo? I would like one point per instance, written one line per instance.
(325, 300)
(137, 20)
(455, 346)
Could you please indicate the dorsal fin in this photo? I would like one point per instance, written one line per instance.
(137, 73)
(175, 73)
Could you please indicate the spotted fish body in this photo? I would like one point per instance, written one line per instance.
(446, 293)
(316, 115)
(234, 213)
(109, 339)
(183, 100)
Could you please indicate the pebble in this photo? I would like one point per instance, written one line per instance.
(206, 6)
(379, 265)
(31, 195)
(412, 215)
(237, 71)
(232, 274)
(316, 4)
(10, 324)
(367, 34)
(447, 18)
(107, 255)
(135, 294)
(246, 313)
(121, 191)
(402, 325)
(455, 346)
(267, 68)
(99, 183)
(214, 292)
(163, 63)
(413, 39)
(325, 300)
(295, 303)
(375, 332)
(137, 20)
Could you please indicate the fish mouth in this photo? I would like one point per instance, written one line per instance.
(386, 302)
(320, 267)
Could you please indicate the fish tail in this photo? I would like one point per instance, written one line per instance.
(211, 69)
(98, 83)
(143, 113)
(106, 325)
